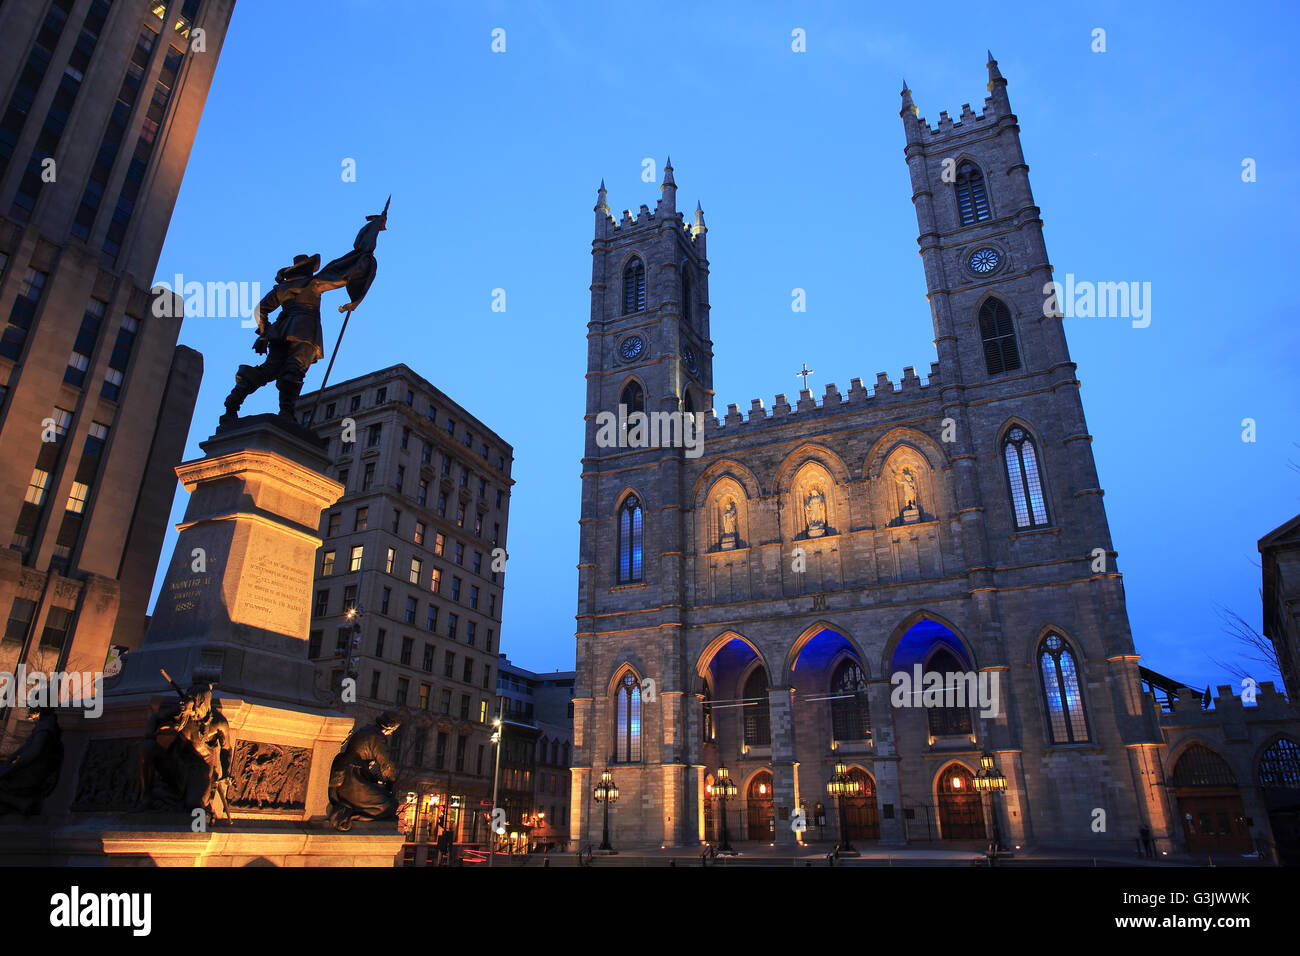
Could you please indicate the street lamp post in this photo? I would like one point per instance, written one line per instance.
(991, 781)
(606, 792)
(839, 786)
(496, 777)
(724, 789)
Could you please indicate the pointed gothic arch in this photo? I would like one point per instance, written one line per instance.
(971, 193)
(1022, 466)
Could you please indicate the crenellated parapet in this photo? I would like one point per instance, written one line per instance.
(859, 397)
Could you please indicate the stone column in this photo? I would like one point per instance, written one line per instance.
(785, 770)
(885, 764)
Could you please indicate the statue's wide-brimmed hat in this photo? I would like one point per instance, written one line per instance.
(303, 266)
(389, 719)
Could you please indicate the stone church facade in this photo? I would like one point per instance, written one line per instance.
(745, 607)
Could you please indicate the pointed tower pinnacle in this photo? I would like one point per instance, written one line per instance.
(699, 228)
(668, 198)
(997, 86)
(601, 209)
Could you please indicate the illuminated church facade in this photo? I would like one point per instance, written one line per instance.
(746, 607)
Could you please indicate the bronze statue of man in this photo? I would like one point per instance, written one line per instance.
(362, 775)
(31, 772)
(293, 343)
(185, 760)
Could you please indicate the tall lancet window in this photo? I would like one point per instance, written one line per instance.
(688, 311)
(1061, 692)
(998, 335)
(629, 541)
(1022, 475)
(850, 710)
(758, 723)
(627, 724)
(634, 287)
(972, 198)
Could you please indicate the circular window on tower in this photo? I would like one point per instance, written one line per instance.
(692, 364)
(984, 260)
(631, 348)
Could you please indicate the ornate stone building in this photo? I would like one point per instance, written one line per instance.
(770, 586)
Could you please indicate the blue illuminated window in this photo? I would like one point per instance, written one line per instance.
(1065, 714)
(629, 541)
(627, 742)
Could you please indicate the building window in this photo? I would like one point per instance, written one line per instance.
(972, 198)
(408, 644)
(22, 313)
(445, 702)
(629, 541)
(401, 477)
(476, 564)
(389, 558)
(470, 629)
(449, 667)
(313, 644)
(427, 663)
(422, 493)
(999, 337)
(411, 605)
(403, 689)
(379, 642)
(417, 565)
(850, 710)
(758, 723)
(431, 619)
(464, 708)
(1022, 476)
(440, 752)
(482, 712)
(455, 589)
(452, 621)
(397, 520)
(947, 721)
(1061, 691)
(383, 600)
(37, 486)
(419, 532)
(368, 476)
(1279, 768)
(467, 675)
(332, 526)
(627, 727)
(374, 685)
(473, 596)
(460, 553)
(361, 519)
(633, 398)
(322, 602)
(634, 287)
(435, 580)
(354, 564)
(406, 438)
(327, 564)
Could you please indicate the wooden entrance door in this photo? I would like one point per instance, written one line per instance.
(961, 813)
(758, 802)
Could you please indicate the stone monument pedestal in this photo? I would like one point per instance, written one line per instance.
(234, 610)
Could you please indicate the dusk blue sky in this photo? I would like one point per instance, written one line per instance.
(493, 161)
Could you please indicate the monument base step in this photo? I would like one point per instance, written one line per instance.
(128, 841)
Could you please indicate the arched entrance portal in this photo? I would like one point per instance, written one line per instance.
(860, 809)
(758, 803)
(961, 814)
(1209, 803)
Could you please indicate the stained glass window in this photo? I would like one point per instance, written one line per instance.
(627, 732)
(758, 723)
(1280, 766)
(629, 541)
(850, 711)
(1023, 479)
(1066, 718)
(945, 720)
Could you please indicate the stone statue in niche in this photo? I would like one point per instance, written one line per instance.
(729, 537)
(815, 512)
(908, 491)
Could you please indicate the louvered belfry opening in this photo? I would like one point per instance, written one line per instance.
(999, 336)
(634, 287)
(972, 198)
